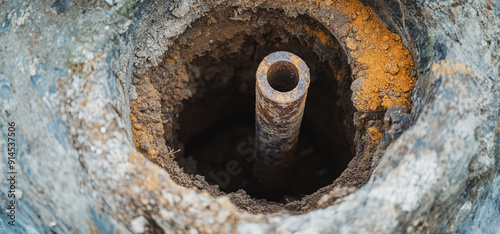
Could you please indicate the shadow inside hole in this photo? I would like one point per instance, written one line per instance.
(213, 64)
(217, 124)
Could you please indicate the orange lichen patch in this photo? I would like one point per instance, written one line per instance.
(93, 228)
(375, 134)
(386, 62)
(144, 136)
(151, 182)
(35, 43)
(446, 67)
(377, 56)
(324, 38)
(170, 60)
(97, 136)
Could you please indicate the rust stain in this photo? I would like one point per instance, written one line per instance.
(151, 183)
(324, 38)
(92, 228)
(35, 43)
(278, 118)
(144, 134)
(374, 133)
(448, 68)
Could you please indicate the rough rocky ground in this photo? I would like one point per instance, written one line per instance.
(65, 75)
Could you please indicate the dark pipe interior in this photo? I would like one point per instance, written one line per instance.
(283, 76)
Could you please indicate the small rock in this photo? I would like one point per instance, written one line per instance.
(19, 194)
(222, 216)
(365, 13)
(356, 85)
(32, 69)
(133, 93)
(141, 53)
(396, 121)
(393, 70)
(182, 9)
(145, 146)
(413, 72)
(122, 28)
(351, 43)
(138, 224)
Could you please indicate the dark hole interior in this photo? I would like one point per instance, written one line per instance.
(216, 133)
(283, 76)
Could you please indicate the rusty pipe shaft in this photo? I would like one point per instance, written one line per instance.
(281, 91)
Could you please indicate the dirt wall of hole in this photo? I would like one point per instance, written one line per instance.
(165, 89)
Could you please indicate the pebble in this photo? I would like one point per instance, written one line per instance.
(351, 43)
(133, 93)
(138, 224)
(183, 8)
(145, 146)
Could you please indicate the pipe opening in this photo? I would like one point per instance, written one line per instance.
(283, 76)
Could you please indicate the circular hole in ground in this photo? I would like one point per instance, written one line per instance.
(283, 76)
(216, 125)
(194, 114)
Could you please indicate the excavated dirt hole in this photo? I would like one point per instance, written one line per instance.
(217, 124)
(205, 99)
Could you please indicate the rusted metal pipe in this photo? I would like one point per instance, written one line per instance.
(281, 91)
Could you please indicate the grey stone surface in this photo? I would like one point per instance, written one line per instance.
(65, 74)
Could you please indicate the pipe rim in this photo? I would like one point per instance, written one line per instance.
(275, 95)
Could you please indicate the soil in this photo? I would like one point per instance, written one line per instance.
(194, 114)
